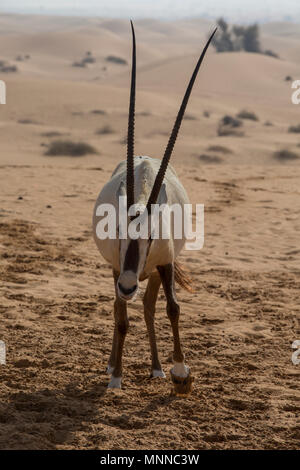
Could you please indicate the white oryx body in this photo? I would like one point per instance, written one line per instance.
(151, 183)
(162, 251)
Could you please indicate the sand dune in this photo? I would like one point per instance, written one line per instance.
(282, 29)
(56, 292)
(248, 74)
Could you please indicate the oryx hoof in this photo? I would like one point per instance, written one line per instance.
(182, 386)
(115, 382)
(157, 373)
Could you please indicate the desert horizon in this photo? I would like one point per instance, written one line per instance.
(231, 10)
(238, 153)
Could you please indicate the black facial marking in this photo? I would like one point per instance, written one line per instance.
(127, 291)
(132, 256)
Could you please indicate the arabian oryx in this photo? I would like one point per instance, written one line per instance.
(145, 182)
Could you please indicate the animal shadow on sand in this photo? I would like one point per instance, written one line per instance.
(52, 418)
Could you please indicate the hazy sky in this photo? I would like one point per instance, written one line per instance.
(244, 10)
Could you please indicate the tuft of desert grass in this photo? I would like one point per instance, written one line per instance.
(294, 129)
(69, 148)
(107, 129)
(116, 60)
(27, 121)
(7, 68)
(101, 112)
(144, 113)
(285, 155)
(210, 158)
(51, 134)
(189, 117)
(244, 114)
(219, 148)
(79, 63)
(228, 125)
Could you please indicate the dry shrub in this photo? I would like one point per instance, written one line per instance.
(219, 148)
(79, 64)
(27, 121)
(52, 134)
(210, 158)
(116, 60)
(101, 112)
(7, 68)
(294, 129)
(228, 125)
(189, 117)
(107, 129)
(144, 113)
(271, 53)
(69, 148)
(284, 155)
(244, 114)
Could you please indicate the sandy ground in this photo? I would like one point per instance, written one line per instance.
(56, 292)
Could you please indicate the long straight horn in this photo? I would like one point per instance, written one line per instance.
(130, 135)
(169, 149)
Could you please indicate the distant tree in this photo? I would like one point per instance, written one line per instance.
(251, 39)
(238, 41)
(222, 40)
(238, 30)
(222, 24)
(238, 38)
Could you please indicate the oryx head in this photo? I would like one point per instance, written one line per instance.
(134, 251)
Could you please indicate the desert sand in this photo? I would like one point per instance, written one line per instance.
(56, 292)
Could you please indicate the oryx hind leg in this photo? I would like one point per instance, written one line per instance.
(180, 373)
(149, 302)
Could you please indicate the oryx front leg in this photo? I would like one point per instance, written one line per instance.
(112, 357)
(149, 302)
(180, 373)
(120, 331)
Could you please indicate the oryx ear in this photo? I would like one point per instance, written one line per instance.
(163, 197)
(121, 191)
